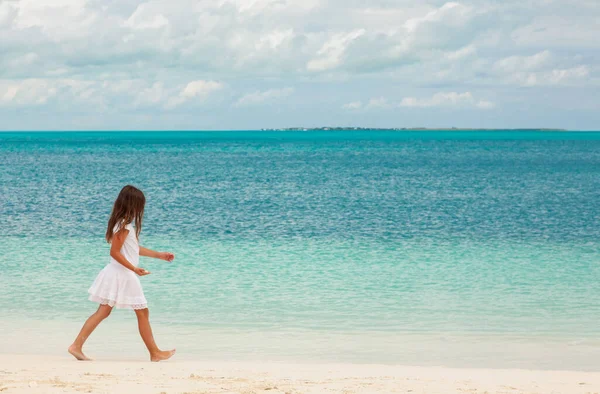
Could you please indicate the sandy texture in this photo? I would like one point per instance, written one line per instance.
(36, 374)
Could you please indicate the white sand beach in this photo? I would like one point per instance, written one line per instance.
(41, 374)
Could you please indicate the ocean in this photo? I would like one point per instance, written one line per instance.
(458, 248)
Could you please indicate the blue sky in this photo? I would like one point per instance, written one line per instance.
(247, 64)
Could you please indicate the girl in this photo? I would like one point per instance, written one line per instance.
(118, 285)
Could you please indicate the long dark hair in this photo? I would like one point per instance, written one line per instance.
(129, 207)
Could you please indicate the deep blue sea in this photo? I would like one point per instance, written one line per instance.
(449, 247)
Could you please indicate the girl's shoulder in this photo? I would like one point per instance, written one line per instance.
(122, 225)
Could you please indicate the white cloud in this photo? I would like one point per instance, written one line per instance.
(151, 95)
(379, 102)
(441, 99)
(24, 60)
(436, 15)
(257, 7)
(36, 92)
(447, 99)
(7, 13)
(462, 52)
(140, 94)
(198, 90)
(330, 55)
(571, 74)
(353, 105)
(523, 63)
(56, 19)
(484, 104)
(557, 77)
(259, 97)
(144, 18)
(274, 39)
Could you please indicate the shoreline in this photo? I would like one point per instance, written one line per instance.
(118, 338)
(49, 374)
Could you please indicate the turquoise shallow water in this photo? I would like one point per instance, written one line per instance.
(382, 242)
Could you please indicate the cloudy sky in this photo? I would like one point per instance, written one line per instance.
(247, 64)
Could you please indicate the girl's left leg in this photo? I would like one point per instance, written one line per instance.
(143, 316)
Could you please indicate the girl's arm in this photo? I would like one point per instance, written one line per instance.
(115, 252)
(157, 255)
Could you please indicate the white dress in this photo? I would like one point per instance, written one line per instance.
(116, 285)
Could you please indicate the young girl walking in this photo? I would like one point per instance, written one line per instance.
(118, 285)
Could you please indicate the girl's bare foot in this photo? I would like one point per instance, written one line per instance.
(162, 355)
(78, 354)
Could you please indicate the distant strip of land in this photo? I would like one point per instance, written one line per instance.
(401, 129)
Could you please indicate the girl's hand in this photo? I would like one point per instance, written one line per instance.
(166, 256)
(140, 271)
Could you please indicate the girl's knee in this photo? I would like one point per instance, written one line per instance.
(142, 312)
(104, 311)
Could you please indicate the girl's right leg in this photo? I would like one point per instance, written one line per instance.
(88, 327)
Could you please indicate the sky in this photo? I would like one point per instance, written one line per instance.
(251, 64)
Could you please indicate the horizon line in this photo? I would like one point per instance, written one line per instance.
(306, 129)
